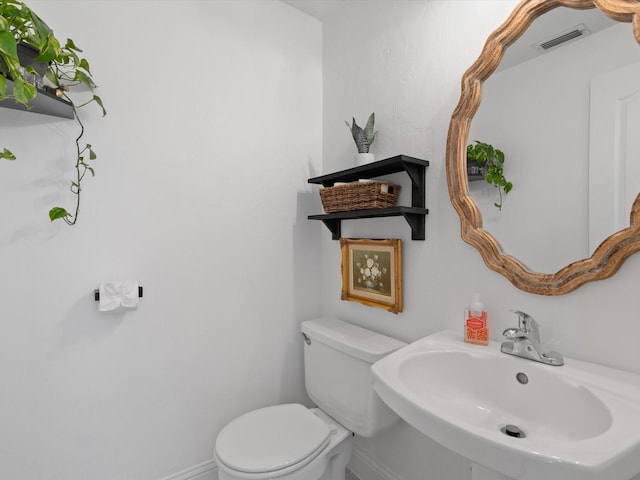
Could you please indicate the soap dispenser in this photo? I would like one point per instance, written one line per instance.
(476, 330)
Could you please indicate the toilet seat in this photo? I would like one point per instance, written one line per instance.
(278, 438)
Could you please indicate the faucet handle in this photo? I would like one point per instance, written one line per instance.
(527, 324)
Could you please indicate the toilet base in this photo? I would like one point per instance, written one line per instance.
(340, 453)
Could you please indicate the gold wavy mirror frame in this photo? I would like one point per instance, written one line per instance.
(612, 252)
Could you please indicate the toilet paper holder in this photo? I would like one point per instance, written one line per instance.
(96, 293)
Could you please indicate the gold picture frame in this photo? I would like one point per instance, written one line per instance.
(372, 272)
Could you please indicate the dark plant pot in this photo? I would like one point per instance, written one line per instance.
(27, 56)
(475, 171)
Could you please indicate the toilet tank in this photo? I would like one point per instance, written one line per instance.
(337, 359)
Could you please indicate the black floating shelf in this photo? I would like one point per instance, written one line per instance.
(45, 102)
(399, 163)
(414, 215)
(475, 178)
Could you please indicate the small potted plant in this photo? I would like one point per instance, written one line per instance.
(363, 138)
(490, 162)
(24, 34)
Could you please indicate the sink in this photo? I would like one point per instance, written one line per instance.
(523, 419)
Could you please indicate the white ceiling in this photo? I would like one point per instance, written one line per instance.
(549, 25)
(320, 9)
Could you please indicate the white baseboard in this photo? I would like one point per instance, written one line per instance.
(205, 471)
(361, 463)
(366, 468)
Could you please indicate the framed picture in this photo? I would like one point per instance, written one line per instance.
(372, 272)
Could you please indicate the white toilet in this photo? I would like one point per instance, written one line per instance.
(292, 442)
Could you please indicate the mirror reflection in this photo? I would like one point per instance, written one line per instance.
(563, 116)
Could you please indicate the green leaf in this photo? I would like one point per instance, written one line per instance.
(57, 212)
(50, 49)
(71, 46)
(40, 28)
(70, 57)
(3, 86)
(368, 129)
(507, 187)
(23, 91)
(359, 138)
(8, 45)
(92, 154)
(7, 155)
(83, 78)
(9, 11)
(98, 100)
(51, 76)
(84, 64)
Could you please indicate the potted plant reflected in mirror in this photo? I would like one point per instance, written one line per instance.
(485, 161)
(363, 138)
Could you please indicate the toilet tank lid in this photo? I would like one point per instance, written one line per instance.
(351, 339)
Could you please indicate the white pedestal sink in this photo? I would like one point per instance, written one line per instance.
(479, 472)
(512, 417)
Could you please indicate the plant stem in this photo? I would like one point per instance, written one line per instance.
(71, 219)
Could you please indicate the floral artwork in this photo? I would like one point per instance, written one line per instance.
(371, 272)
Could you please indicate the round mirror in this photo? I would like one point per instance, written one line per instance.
(558, 103)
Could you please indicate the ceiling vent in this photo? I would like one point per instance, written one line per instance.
(563, 38)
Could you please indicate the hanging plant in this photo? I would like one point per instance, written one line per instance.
(64, 69)
(491, 162)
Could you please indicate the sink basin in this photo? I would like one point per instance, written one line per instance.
(520, 418)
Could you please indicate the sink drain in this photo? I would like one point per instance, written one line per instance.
(513, 431)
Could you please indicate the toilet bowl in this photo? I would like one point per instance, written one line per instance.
(293, 442)
(288, 442)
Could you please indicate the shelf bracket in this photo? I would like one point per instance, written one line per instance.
(416, 222)
(417, 175)
(334, 226)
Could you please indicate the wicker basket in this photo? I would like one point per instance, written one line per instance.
(359, 196)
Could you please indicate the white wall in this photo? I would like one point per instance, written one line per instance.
(404, 60)
(213, 127)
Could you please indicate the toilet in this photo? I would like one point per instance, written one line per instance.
(293, 442)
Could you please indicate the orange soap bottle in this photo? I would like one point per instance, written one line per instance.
(476, 330)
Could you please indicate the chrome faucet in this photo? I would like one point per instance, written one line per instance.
(524, 342)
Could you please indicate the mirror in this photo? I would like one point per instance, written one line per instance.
(511, 126)
(536, 107)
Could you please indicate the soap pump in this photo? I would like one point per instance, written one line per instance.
(476, 330)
